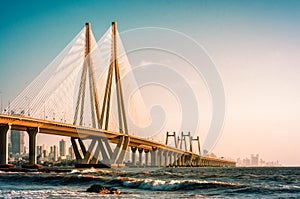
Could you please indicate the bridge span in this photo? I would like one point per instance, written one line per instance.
(161, 154)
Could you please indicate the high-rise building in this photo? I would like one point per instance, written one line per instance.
(254, 159)
(55, 153)
(17, 142)
(39, 151)
(246, 162)
(51, 154)
(62, 147)
(44, 151)
(71, 153)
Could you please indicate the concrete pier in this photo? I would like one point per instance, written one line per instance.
(179, 160)
(154, 157)
(175, 159)
(32, 132)
(170, 159)
(133, 160)
(166, 155)
(140, 156)
(160, 157)
(146, 158)
(4, 145)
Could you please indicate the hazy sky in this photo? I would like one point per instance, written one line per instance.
(254, 44)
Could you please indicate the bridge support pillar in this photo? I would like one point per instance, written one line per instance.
(166, 153)
(193, 161)
(175, 159)
(4, 146)
(140, 156)
(160, 157)
(154, 157)
(170, 159)
(190, 163)
(182, 160)
(32, 133)
(146, 158)
(179, 160)
(198, 161)
(133, 150)
(186, 161)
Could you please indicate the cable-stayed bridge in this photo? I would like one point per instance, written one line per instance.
(81, 94)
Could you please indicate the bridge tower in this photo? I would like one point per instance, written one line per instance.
(88, 157)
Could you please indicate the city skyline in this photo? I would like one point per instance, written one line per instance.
(253, 44)
(58, 153)
(50, 155)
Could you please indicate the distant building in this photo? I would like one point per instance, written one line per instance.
(44, 147)
(62, 148)
(246, 162)
(45, 154)
(17, 142)
(45, 151)
(55, 153)
(71, 153)
(39, 151)
(51, 154)
(254, 159)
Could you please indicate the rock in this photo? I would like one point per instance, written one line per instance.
(96, 188)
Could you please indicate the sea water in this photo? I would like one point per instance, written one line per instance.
(259, 182)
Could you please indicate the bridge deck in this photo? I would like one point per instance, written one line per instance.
(21, 123)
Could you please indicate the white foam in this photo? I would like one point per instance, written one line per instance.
(170, 185)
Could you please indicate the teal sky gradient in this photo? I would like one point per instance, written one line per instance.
(255, 45)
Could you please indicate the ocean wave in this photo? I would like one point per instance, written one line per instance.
(95, 171)
(173, 185)
(130, 182)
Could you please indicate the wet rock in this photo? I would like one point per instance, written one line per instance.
(96, 188)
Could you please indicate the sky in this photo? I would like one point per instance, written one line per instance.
(254, 45)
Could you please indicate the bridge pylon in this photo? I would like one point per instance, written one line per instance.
(170, 134)
(197, 139)
(118, 155)
(85, 157)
